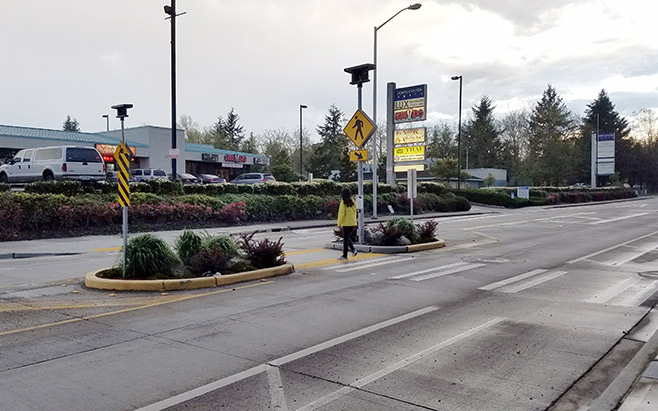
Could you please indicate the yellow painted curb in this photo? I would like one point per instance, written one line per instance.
(426, 246)
(93, 281)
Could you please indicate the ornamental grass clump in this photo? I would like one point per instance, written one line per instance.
(427, 231)
(149, 256)
(187, 245)
(406, 227)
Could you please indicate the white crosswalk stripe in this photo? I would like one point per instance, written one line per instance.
(523, 281)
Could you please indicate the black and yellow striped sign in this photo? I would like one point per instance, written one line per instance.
(122, 158)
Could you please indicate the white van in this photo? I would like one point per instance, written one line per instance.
(54, 163)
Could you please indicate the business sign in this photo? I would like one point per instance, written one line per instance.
(262, 160)
(359, 128)
(174, 153)
(409, 135)
(107, 151)
(523, 192)
(405, 167)
(411, 153)
(235, 158)
(214, 158)
(410, 104)
(605, 154)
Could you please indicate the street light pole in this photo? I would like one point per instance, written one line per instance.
(107, 118)
(459, 134)
(171, 11)
(375, 179)
(301, 106)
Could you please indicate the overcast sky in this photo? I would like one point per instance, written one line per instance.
(265, 58)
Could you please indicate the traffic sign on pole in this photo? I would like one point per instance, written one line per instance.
(359, 155)
(359, 128)
(122, 158)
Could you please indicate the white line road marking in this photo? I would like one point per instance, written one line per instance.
(277, 396)
(359, 263)
(605, 250)
(350, 336)
(634, 295)
(205, 389)
(374, 264)
(618, 218)
(611, 292)
(511, 280)
(451, 271)
(396, 366)
(534, 282)
(399, 277)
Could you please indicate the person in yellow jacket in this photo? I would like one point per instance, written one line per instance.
(347, 221)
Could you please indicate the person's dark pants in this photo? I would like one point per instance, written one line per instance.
(347, 239)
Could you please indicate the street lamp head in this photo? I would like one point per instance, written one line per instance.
(122, 110)
(302, 106)
(456, 77)
(105, 116)
(414, 6)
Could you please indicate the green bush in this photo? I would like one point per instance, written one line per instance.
(406, 227)
(65, 187)
(148, 256)
(225, 243)
(4, 187)
(209, 261)
(144, 198)
(187, 245)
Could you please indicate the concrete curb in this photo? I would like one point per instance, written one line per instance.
(394, 249)
(93, 281)
(621, 386)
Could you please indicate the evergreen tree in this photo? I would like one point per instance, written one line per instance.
(442, 142)
(482, 136)
(549, 153)
(71, 125)
(226, 133)
(516, 135)
(332, 152)
(601, 115)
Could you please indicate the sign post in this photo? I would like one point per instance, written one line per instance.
(122, 156)
(359, 129)
(412, 190)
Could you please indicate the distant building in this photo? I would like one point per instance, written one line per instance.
(483, 173)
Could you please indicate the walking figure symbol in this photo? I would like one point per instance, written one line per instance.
(359, 125)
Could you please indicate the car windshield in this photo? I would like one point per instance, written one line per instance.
(159, 173)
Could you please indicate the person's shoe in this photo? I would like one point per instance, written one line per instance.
(354, 253)
(342, 258)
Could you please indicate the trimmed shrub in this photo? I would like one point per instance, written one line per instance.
(4, 187)
(233, 213)
(384, 234)
(406, 227)
(209, 261)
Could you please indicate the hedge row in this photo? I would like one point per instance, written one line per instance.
(27, 215)
(550, 195)
(318, 187)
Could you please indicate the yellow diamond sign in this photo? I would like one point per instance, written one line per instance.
(359, 128)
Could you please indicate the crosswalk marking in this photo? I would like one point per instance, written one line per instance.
(451, 271)
(401, 276)
(374, 264)
(360, 263)
(611, 292)
(536, 281)
(511, 280)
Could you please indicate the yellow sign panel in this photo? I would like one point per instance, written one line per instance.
(409, 135)
(417, 167)
(413, 153)
(359, 155)
(359, 128)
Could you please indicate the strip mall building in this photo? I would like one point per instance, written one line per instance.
(150, 145)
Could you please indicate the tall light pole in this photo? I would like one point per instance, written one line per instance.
(107, 118)
(459, 134)
(415, 6)
(171, 11)
(301, 106)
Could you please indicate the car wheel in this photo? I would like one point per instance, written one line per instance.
(48, 177)
(3, 178)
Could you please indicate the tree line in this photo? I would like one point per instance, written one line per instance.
(544, 144)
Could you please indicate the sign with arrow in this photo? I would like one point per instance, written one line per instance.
(359, 155)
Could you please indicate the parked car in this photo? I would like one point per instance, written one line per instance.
(141, 174)
(111, 177)
(253, 178)
(188, 178)
(54, 163)
(210, 178)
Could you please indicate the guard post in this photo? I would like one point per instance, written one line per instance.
(359, 129)
(122, 158)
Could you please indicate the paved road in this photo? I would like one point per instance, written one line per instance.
(525, 309)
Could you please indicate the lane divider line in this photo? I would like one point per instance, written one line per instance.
(605, 250)
(396, 366)
(618, 219)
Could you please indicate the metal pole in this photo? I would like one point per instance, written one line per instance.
(459, 138)
(359, 211)
(124, 214)
(375, 161)
(390, 130)
(301, 106)
(173, 86)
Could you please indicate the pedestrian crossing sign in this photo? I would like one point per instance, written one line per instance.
(359, 128)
